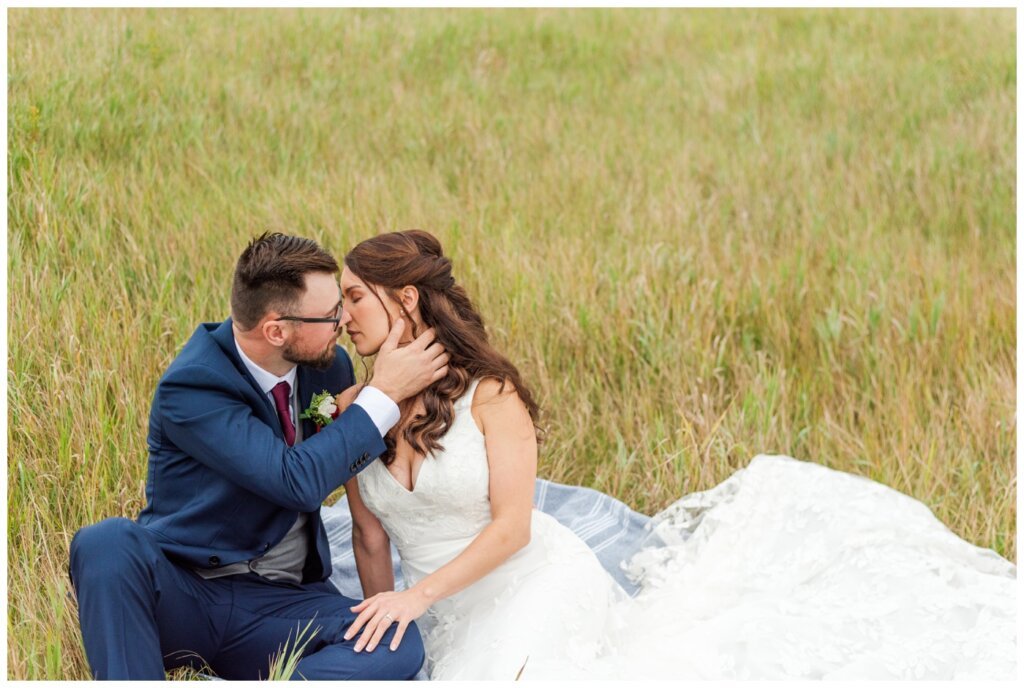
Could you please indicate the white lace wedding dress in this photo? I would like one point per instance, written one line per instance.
(787, 569)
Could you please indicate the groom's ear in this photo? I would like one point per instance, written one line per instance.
(273, 330)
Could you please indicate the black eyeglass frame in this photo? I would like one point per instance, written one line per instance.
(296, 318)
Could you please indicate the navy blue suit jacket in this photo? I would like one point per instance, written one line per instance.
(223, 485)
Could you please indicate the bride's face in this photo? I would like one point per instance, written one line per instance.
(363, 316)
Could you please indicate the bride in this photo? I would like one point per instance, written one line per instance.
(785, 570)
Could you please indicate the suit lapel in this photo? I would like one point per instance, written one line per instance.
(225, 338)
(306, 379)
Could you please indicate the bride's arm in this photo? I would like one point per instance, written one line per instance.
(511, 444)
(370, 544)
(512, 459)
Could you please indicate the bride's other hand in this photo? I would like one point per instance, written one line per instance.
(402, 607)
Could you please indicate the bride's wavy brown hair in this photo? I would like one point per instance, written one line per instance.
(415, 257)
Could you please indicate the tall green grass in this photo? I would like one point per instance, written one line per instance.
(701, 235)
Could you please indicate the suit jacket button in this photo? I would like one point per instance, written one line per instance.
(353, 467)
(364, 457)
(214, 561)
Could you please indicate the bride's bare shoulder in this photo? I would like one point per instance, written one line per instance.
(493, 402)
(491, 389)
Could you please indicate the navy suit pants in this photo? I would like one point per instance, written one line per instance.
(142, 614)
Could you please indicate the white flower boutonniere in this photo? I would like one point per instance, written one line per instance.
(322, 410)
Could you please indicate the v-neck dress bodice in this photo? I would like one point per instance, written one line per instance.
(449, 502)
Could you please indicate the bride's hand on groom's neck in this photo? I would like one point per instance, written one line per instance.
(403, 372)
(345, 398)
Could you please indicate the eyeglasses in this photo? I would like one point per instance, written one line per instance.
(336, 319)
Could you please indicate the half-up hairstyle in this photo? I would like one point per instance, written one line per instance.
(414, 257)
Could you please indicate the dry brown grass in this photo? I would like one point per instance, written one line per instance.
(701, 236)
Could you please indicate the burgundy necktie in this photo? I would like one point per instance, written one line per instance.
(281, 392)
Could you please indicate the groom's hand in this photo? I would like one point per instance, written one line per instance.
(405, 372)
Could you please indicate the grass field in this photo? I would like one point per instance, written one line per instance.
(701, 235)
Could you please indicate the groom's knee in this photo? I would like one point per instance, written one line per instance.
(400, 664)
(408, 656)
(107, 550)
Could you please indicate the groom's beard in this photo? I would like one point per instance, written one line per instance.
(321, 361)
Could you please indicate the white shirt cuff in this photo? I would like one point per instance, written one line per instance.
(382, 410)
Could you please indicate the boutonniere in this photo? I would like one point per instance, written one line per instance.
(322, 410)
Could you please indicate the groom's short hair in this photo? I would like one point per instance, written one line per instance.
(271, 275)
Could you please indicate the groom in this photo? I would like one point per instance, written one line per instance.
(229, 561)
